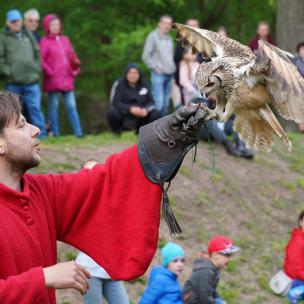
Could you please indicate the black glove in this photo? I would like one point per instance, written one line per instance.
(162, 146)
(164, 143)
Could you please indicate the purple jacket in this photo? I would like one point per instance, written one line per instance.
(56, 53)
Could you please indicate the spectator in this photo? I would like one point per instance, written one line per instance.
(132, 105)
(202, 284)
(219, 132)
(20, 67)
(261, 34)
(294, 262)
(163, 282)
(158, 56)
(299, 62)
(60, 65)
(178, 56)
(31, 22)
(188, 67)
(101, 284)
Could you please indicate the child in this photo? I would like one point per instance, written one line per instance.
(163, 285)
(100, 283)
(187, 71)
(294, 262)
(201, 286)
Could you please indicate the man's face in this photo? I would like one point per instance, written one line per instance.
(177, 266)
(31, 23)
(15, 26)
(165, 25)
(133, 76)
(19, 145)
(263, 31)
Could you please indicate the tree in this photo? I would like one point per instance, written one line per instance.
(290, 24)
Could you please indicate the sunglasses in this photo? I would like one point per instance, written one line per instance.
(182, 260)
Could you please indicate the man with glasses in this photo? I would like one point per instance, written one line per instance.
(31, 22)
(20, 67)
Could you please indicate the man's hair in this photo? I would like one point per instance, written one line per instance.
(10, 108)
(301, 44)
(32, 12)
(163, 17)
(300, 217)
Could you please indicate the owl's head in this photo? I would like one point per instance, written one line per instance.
(214, 78)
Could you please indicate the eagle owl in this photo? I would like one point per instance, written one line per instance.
(246, 84)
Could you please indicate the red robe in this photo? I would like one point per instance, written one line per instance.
(111, 212)
(294, 255)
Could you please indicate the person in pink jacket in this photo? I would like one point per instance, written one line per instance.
(60, 65)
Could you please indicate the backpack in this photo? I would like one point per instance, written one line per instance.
(280, 283)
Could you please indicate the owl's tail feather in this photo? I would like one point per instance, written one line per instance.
(257, 129)
(268, 116)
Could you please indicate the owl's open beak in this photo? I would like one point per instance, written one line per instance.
(204, 95)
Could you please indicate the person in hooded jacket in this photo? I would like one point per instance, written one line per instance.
(163, 285)
(201, 287)
(60, 66)
(294, 261)
(132, 104)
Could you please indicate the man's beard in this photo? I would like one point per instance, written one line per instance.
(19, 164)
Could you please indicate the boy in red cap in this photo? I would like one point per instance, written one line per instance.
(200, 288)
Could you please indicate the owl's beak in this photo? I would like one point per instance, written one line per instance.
(204, 95)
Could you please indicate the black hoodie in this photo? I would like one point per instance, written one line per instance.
(126, 96)
(200, 288)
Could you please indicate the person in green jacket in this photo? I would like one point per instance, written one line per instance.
(20, 67)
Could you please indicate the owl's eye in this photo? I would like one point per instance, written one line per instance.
(210, 84)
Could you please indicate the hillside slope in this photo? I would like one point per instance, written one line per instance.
(253, 202)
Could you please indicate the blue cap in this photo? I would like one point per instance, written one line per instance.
(170, 252)
(13, 15)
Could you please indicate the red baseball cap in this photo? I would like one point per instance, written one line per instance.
(222, 244)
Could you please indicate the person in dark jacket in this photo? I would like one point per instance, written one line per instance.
(294, 262)
(299, 63)
(132, 104)
(200, 288)
(20, 67)
(163, 285)
(261, 34)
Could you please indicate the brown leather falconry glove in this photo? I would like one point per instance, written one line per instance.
(163, 145)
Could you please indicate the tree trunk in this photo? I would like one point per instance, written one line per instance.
(289, 32)
(290, 24)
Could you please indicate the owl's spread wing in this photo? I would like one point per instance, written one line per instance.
(212, 44)
(283, 81)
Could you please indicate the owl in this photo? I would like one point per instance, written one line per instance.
(248, 85)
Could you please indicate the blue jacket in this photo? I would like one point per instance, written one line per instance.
(163, 288)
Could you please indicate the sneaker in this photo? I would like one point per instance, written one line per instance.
(230, 148)
(243, 151)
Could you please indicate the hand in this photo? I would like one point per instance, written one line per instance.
(67, 275)
(144, 112)
(136, 111)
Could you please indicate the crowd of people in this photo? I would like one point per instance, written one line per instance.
(134, 102)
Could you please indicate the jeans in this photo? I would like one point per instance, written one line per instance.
(296, 292)
(70, 105)
(31, 101)
(161, 88)
(113, 291)
(220, 301)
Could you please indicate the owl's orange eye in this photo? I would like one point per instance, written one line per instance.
(210, 84)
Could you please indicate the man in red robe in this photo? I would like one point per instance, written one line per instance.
(110, 212)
